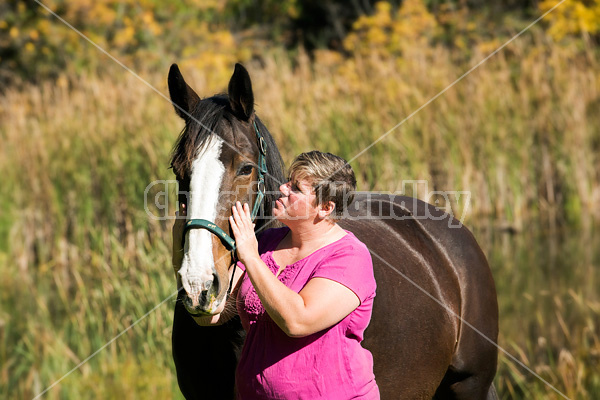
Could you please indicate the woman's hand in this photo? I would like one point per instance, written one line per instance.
(243, 231)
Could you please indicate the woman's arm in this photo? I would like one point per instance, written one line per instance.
(321, 304)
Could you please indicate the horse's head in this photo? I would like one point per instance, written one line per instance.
(216, 164)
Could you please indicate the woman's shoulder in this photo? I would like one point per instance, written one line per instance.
(348, 261)
(350, 243)
(344, 250)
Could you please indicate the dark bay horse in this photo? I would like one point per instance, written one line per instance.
(435, 317)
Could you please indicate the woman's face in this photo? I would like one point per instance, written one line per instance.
(297, 201)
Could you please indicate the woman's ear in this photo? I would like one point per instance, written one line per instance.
(325, 210)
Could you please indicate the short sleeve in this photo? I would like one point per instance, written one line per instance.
(352, 266)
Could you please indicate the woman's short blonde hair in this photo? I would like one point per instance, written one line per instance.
(331, 177)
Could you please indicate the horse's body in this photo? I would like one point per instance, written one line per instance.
(435, 316)
(427, 276)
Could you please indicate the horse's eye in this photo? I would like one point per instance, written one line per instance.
(183, 191)
(245, 170)
(182, 198)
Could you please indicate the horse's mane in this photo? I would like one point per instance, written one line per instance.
(213, 115)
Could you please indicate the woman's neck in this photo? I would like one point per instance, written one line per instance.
(314, 235)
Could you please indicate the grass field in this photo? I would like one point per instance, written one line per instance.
(80, 260)
(549, 303)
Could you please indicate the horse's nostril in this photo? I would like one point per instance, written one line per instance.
(188, 302)
(203, 297)
(215, 284)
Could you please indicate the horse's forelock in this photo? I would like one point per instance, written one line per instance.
(206, 119)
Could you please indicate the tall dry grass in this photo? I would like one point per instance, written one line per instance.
(547, 285)
(520, 133)
(80, 260)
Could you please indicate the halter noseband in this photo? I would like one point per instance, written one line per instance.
(227, 240)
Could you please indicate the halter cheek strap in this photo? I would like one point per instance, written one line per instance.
(212, 228)
(227, 240)
(262, 171)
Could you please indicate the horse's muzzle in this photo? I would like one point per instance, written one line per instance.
(202, 302)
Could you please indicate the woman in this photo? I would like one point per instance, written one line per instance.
(307, 294)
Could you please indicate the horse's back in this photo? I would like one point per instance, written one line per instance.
(429, 272)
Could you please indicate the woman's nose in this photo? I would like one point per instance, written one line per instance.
(284, 188)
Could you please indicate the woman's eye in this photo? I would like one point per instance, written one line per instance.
(245, 170)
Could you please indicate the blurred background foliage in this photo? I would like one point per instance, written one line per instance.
(81, 139)
(212, 34)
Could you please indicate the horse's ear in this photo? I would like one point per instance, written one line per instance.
(241, 98)
(183, 97)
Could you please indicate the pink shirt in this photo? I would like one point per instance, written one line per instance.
(330, 364)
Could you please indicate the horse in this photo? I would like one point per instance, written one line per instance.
(434, 326)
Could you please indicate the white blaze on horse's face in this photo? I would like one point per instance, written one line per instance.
(197, 267)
